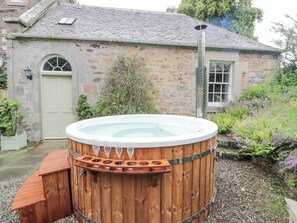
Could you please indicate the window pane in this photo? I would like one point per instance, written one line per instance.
(210, 97)
(226, 78)
(61, 62)
(217, 88)
(53, 61)
(57, 69)
(219, 77)
(211, 77)
(227, 67)
(210, 89)
(225, 88)
(67, 67)
(212, 67)
(47, 66)
(217, 98)
(224, 97)
(219, 68)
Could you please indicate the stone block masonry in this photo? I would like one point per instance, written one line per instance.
(262, 65)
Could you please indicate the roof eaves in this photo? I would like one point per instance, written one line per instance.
(147, 42)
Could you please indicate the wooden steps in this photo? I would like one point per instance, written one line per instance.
(45, 195)
(30, 193)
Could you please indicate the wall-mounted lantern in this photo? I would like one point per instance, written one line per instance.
(28, 73)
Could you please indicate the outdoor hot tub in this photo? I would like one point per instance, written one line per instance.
(142, 168)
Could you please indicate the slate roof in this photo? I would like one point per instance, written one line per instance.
(135, 26)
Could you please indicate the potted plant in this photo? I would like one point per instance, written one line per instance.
(12, 137)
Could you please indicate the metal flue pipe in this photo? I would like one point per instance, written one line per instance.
(201, 81)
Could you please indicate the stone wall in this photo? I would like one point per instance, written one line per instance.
(261, 65)
(171, 70)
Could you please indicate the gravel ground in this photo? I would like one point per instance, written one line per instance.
(245, 193)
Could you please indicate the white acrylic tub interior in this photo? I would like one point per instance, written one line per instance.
(142, 131)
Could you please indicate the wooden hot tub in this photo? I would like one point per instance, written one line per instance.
(183, 192)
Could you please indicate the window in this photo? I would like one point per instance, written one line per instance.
(219, 83)
(16, 2)
(57, 64)
(67, 21)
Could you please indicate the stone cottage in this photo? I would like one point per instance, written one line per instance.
(70, 48)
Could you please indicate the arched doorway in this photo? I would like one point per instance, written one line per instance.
(56, 93)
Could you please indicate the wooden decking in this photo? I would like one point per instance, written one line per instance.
(45, 195)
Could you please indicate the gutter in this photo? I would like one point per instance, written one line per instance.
(129, 41)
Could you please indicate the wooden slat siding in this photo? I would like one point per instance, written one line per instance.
(117, 198)
(30, 192)
(106, 197)
(166, 189)
(64, 193)
(207, 176)
(80, 180)
(74, 171)
(41, 212)
(212, 172)
(87, 187)
(187, 182)
(51, 193)
(177, 188)
(154, 193)
(196, 175)
(27, 215)
(129, 199)
(117, 193)
(202, 180)
(141, 191)
(96, 199)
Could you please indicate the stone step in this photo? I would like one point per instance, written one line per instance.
(232, 154)
(226, 142)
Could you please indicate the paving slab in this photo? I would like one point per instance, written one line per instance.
(20, 166)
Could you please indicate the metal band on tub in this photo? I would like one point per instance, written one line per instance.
(194, 157)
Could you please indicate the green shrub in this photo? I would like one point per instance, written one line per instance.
(127, 89)
(225, 121)
(3, 79)
(288, 78)
(10, 117)
(84, 110)
(256, 133)
(260, 90)
(237, 110)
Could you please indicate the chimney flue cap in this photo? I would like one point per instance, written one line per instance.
(200, 27)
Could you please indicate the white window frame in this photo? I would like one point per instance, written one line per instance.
(220, 104)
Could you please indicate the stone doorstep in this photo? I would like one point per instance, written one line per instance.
(292, 209)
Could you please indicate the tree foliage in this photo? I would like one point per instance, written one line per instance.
(238, 16)
(127, 89)
(287, 42)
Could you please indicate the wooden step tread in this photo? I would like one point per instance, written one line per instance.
(54, 162)
(30, 192)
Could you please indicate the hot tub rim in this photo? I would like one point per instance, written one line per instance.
(210, 130)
